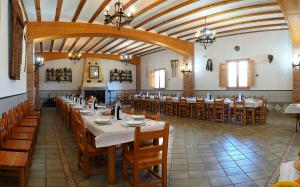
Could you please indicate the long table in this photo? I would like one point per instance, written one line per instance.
(113, 134)
(249, 103)
(294, 108)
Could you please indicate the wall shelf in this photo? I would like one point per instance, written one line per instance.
(120, 75)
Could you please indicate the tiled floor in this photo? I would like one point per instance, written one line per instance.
(201, 153)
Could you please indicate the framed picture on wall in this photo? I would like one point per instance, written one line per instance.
(94, 72)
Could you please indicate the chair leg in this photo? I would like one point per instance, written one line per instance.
(86, 166)
(22, 177)
(136, 177)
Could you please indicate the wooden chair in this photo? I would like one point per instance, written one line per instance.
(147, 157)
(261, 113)
(169, 106)
(146, 104)
(126, 111)
(15, 164)
(219, 110)
(152, 117)
(87, 153)
(239, 112)
(200, 108)
(139, 103)
(156, 104)
(182, 107)
(7, 144)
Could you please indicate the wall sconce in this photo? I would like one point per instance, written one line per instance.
(186, 69)
(39, 62)
(294, 64)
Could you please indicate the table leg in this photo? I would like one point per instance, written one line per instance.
(229, 117)
(253, 116)
(112, 165)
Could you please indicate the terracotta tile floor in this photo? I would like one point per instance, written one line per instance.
(201, 153)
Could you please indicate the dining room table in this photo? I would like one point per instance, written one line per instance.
(294, 108)
(251, 104)
(114, 133)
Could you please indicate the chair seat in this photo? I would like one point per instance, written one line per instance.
(13, 159)
(17, 145)
(145, 160)
(28, 124)
(25, 129)
(22, 136)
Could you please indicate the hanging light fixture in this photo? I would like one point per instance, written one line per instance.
(39, 62)
(74, 56)
(205, 37)
(126, 58)
(119, 18)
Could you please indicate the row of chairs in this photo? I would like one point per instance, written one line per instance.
(217, 111)
(18, 135)
(135, 155)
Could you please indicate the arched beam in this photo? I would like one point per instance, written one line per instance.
(40, 31)
(64, 55)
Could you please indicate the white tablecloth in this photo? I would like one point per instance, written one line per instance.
(116, 132)
(292, 109)
(288, 172)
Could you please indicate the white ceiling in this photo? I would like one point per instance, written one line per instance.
(215, 10)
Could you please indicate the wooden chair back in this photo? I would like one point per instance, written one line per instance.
(81, 139)
(155, 117)
(3, 130)
(219, 104)
(160, 149)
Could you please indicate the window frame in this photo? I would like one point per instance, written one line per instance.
(154, 70)
(237, 75)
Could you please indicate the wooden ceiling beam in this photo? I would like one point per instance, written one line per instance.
(64, 55)
(237, 24)
(24, 10)
(149, 7)
(114, 46)
(267, 30)
(37, 4)
(130, 49)
(291, 9)
(246, 28)
(96, 44)
(73, 44)
(62, 44)
(85, 43)
(225, 20)
(197, 10)
(140, 49)
(129, 3)
(99, 10)
(176, 7)
(57, 16)
(150, 52)
(124, 47)
(106, 44)
(40, 31)
(218, 14)
(78, 10)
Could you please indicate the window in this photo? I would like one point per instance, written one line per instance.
(237, 74)
(157, 79)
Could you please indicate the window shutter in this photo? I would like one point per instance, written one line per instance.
(251, 73)
(223, 75)
(151, 79)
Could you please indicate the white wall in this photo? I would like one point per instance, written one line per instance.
(77, 73)
(256, 46)
(162, 60)
(7, 86)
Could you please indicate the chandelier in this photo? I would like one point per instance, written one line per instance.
(74, 56)
(126, 58)
(39, 62)
(205, 37)
(118, 19)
